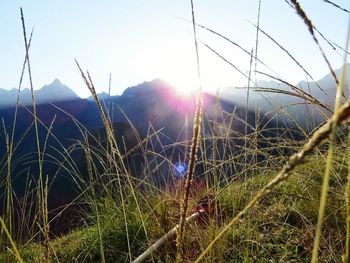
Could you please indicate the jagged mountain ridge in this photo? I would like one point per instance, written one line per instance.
(54, 92)
(289, 107)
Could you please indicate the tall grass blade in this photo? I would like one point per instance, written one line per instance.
(193, 152)
(347, 201)
(257, 40)
(310, 27)
(41, 199)
(325, 186)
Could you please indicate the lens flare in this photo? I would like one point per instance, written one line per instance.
(179, 169)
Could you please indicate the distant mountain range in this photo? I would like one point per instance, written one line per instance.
(323, 90)
(291, 107)
(102, 96)
(156, 102)
(54, 92)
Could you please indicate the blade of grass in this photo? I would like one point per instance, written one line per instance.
(347, 200)
(310, 27)
(257, 39)
(194, 149)
(335, 5)
(13, 244)
(41, 199)
(325, 186)
(289, 55)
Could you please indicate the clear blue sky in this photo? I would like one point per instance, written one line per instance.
(139, 40)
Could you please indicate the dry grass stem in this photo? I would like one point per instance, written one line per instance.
(310, 27)
(193, 152)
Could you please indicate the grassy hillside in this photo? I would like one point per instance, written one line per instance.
(280, 229)
(267, 193)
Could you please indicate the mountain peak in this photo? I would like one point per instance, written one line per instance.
(56, 91)
(102, 96)
(56, 82)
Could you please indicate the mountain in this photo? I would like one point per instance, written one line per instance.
(287, 107)
(54, 92)
(102, 96)
(325, 88)
(8, 97)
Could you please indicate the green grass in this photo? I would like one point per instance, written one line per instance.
(82, 245)
(280, 229)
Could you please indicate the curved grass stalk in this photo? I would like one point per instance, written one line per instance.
(336, 6)
(247, 52)
(289, 55)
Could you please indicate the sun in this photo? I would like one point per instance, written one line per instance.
(180, 75)
(172, 61)
(185, 88)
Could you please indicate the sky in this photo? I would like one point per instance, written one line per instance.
(140, 40)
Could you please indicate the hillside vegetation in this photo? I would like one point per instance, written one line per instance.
(234, 184)
(279, 229)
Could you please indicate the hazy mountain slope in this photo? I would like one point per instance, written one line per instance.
(54, 92)
(290, 107)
